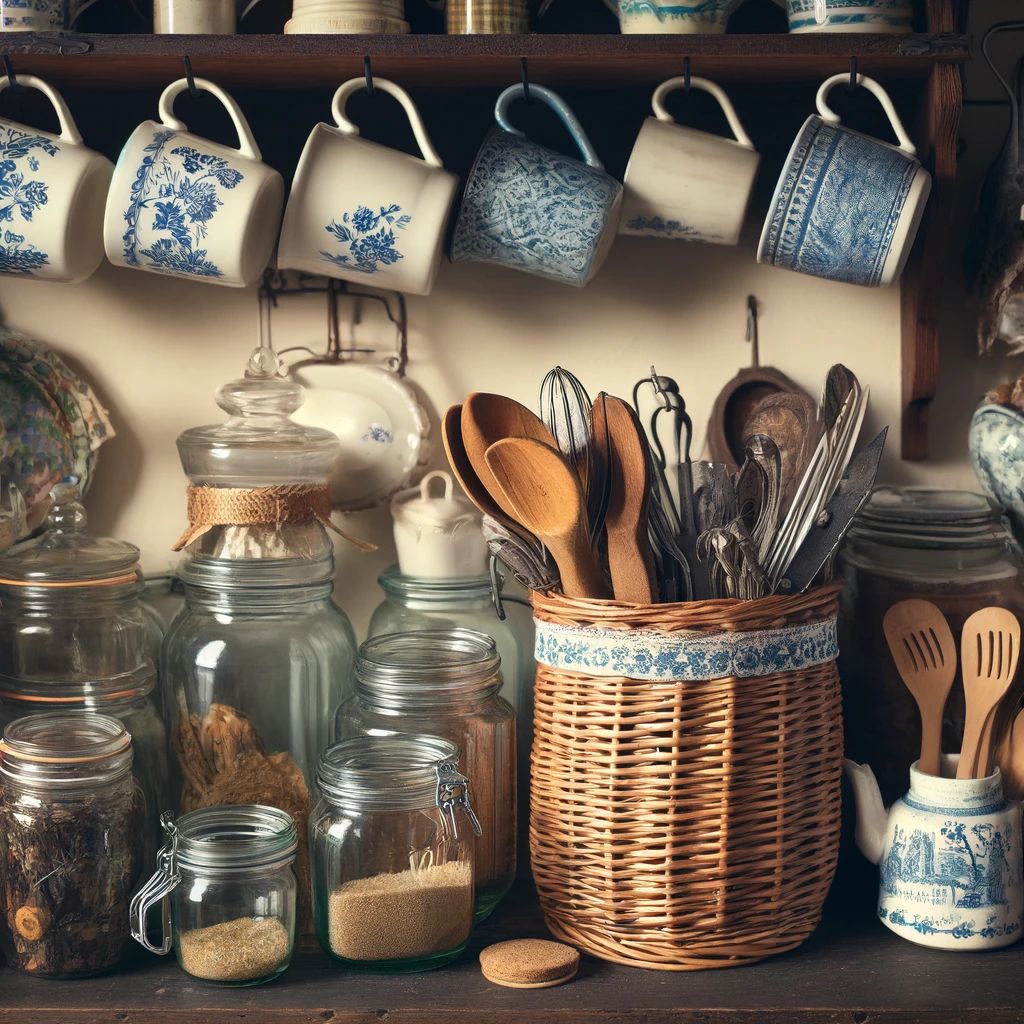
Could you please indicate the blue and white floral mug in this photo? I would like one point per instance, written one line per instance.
(364, 212)
(672, 16)
(847, 206)
(189, 207)
(40, 15)
(532, 209)
(52, 190)
(890, 16)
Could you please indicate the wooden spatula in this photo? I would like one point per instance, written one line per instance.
(540, 486)
(1011, 760)
(622, 446)
(923, 648)
(989, 650)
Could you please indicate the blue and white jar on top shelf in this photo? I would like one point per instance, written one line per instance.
(949, 854)
(188, 207)
(847, 206)
(672, 16)
(40, 15)
(892, 16)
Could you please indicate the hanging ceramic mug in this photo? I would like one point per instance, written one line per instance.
(847, 206)
(530, 208)
(186, 206)
(52, 190)
(685, 183)
(40, 15)
(849, 15)
(361, 211)
(672, 16)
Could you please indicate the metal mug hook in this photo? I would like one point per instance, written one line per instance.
(368, 74)
(525, 76)
(190, 77)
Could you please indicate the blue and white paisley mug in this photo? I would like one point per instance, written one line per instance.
(52, 190)
(890, 16)
(364, 212)
(532, 209)
(672, 16)
(847, 206)
(188, 207)
(40, 15)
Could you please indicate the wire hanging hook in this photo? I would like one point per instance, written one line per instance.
(853, 74)
(525, 76)
(752, 334)
(686, 75)
(368, 74)
(12, 79)
(190, 77)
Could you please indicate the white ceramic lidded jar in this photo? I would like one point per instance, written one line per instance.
(949, 854)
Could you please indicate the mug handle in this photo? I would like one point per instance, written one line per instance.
(658, 105)
(559, 106)
(246, 143)
(341, 98)
(831, 117)
(68, 129)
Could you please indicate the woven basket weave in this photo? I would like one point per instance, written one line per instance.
(686, 825)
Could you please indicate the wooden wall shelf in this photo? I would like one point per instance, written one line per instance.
(928, 64)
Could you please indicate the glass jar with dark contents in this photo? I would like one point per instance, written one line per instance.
(948, 547)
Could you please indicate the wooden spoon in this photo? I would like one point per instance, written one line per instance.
(1011, 760)
(538, 482)
(923, 648)
(488, 418)
(622, 446)
(989, 650)
(466, 474)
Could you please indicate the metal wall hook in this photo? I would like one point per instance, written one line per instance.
(853, 74)
(525, 76)
(368, 74)
(190, 77)
(686, 75)
(752, 331)
(12, 79)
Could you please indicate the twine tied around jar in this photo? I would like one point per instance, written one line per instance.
(261, 506)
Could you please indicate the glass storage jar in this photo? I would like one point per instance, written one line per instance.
(948, 547)
(447, 683)
(391, 841)
(227, 875)
(70, 843)
(256, 661)
(74, 636)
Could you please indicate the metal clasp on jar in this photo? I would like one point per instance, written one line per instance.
(452, 792)
(164, 881)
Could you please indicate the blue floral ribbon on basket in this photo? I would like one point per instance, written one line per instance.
(686, 655)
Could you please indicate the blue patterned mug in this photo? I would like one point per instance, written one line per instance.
(364, 212)
(672, 16)
(52, 190)
(890, 16)
(532, 209)
(40, 15)
(188, 207)
(847, 206)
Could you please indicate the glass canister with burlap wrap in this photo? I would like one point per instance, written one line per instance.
(257, 660)
(685, 786)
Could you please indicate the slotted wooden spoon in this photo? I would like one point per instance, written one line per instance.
(541, 487)
(989, 651)
(923, 648)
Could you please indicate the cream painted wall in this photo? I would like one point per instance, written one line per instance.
(156, 349)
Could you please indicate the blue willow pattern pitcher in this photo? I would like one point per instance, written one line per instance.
(949, 854)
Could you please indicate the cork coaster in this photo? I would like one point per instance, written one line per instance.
(529, 963)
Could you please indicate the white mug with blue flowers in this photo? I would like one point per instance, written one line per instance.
(188, 207)
(688, 184)
(40, 15)
(360, 211)
(672, 16)
(847, 206)
(52, 189)
(890, 16)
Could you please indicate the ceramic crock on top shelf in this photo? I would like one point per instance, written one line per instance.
(949, 854)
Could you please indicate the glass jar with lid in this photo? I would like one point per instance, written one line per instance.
(70, 843)
(75, 637)
(447, 683)
(948, 547)
(227, 874)
(391, 840)
(256, 661)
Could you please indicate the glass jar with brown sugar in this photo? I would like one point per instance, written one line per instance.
(948, 547)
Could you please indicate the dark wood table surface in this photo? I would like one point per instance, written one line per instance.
(852, 971)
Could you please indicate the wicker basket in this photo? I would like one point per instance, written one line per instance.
(680, 822)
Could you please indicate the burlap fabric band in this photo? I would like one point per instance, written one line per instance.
(261, 506)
